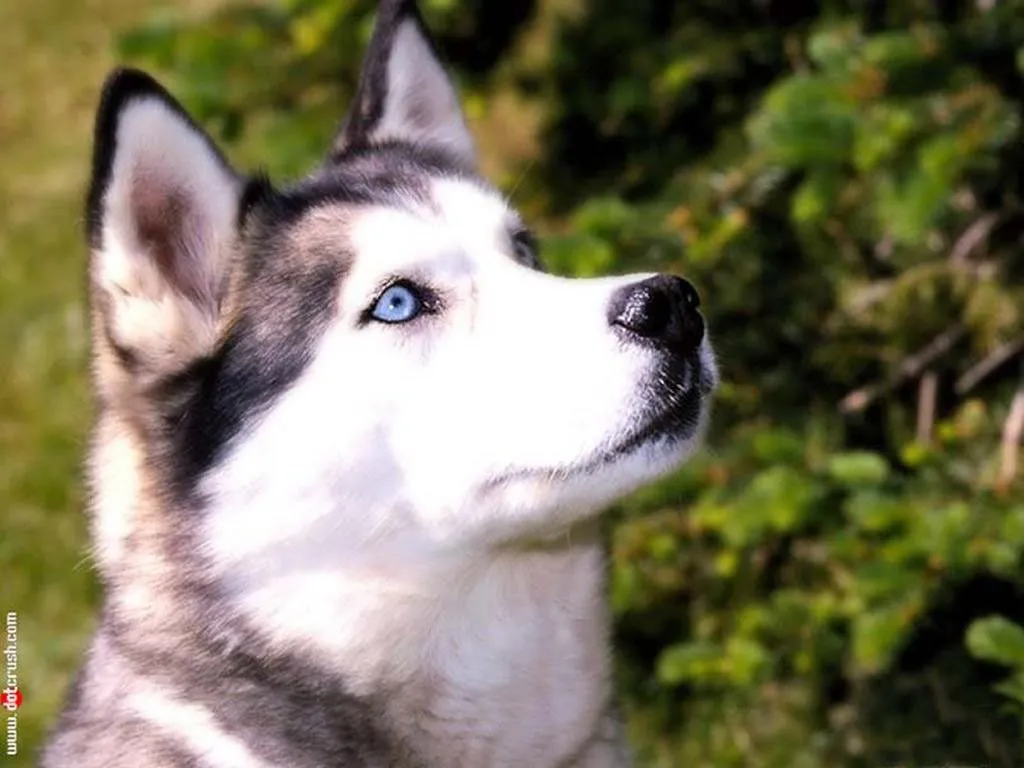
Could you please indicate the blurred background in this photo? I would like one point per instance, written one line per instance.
(838, 580)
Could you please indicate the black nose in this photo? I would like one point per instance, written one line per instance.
(662, 308)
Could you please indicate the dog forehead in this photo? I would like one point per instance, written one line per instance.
(457, 222)
(455, 199)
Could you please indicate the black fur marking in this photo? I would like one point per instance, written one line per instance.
(392, 165)
(121, 88)
(96, 730)
(524, 245)
(287, 299)
(258, 191)
(285, 709)
(289, 303)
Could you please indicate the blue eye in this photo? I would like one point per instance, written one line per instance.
(398, 304)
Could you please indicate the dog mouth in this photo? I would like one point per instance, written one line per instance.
(680, 393)
(673, 423)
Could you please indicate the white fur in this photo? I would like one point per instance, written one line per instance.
(117, 488)
(356, 521)
(193, 727)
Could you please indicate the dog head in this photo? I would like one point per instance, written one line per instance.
(371, 356)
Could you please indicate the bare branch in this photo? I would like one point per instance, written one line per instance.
(971, 238)
(981, 370)
(861, 398)
(927, 394)
(1013, 429)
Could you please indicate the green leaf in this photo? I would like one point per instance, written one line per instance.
(805, 120)
(834, 47)
(996, 638)
(604, 217)
(858, 468)
(778, 446)
(876, 635)
(882, 135)
(1012, 687)
(689, 662)
(578, 255)
(878, 581)
(745, 660)
(815, 198)
(778, 498)
(870, 510)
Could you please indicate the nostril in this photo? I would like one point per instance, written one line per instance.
(691, 332)
(643, 311)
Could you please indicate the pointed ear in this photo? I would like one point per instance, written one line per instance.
(404, 92)
(161, 219)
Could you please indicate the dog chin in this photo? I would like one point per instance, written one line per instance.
(659, 445)
(658, 454)
(548, 503)
(566, 495)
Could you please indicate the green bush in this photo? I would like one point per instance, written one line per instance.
(838, 580)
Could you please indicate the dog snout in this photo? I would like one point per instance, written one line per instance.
(662, 309)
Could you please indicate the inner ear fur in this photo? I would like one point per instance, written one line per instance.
(161, 217)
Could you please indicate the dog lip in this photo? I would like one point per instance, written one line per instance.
(673, 423)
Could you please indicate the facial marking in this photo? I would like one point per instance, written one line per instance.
(541, 407)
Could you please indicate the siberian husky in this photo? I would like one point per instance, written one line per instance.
(351, 445)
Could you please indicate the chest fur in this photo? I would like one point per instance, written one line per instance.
(516, 671)
(502, 662)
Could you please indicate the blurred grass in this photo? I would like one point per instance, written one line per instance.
(55, 55)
